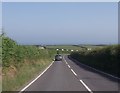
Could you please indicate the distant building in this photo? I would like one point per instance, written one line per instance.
(88, 48)
(41, 47)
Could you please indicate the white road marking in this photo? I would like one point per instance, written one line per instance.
(65, 60)
(86, 86)
(69, 66)
(37, 77)
(80, 80)
(74, 72)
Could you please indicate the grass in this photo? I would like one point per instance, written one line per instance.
(0, 56)
(64, 47)
(0, 50)
(21, 63)
(93, 46)
(0, 79)
(74, 47)
(12, 82)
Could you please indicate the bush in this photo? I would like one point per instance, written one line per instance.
(106, 59)
(14, 54)
(21, 63)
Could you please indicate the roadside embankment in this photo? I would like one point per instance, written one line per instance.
(21, 63)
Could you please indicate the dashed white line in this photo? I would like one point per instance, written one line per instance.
(36, 78)
(73, 72)
(65, 60)
(86, 86)
(80, 80)
(69, 66)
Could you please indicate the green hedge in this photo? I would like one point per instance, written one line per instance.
(106, 59)
(14, 54)
(21, 63)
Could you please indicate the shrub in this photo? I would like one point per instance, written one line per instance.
(106, 59)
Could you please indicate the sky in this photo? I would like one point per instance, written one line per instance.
(61, 23)
(60, 0)
(0, 15)
(119, 23)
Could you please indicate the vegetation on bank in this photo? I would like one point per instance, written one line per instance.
(0, 50)
(21, 63)
(0, 63)
(106, 59)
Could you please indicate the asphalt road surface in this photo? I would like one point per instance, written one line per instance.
(68, 75)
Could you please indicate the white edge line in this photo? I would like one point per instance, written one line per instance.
(36, 77)
(69, 66)
(99, 70)
(86, 86)
(74, 72)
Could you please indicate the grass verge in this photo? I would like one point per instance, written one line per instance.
(0, 79)
(14, 78)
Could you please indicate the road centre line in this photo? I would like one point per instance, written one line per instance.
(80, 80)
(86, 86)
(65, 60)
(73, 72)
(69, 66)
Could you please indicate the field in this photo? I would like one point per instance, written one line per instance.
(68, 49)
(63, 47)
(74, 47)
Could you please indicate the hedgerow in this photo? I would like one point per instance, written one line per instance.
(106, 59)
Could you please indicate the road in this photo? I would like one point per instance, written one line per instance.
(68, 75)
